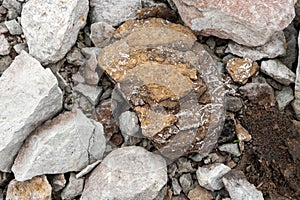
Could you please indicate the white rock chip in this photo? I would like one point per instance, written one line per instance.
(239, 188)
(129, 123)
(275, 47)
(284, 97)
(210, 176)
(29, 95)
(127, 173)
(278, 71)
(230, 148)
(114, 12)
(4, 46)
(73, 188)
(92, 93)
(67, 143)
(51, 27)
(101, 34)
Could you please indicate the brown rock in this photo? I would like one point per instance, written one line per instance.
(199, 194)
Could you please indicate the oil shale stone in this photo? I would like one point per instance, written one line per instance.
(127, 173)
(171, 83)
(49, 38)
(256, 21)
(34, 189)
(67, 143)
(29, 95)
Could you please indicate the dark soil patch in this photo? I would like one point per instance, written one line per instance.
(271, 160)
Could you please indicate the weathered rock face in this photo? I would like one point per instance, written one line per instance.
(127, 173)
(250, 23)
(170, 81)
(69, 142)
(29, 95)
(49, 38)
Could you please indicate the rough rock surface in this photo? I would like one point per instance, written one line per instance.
(278, 71)
(101, 34)
(239, 188)
(127, 173)
(4, 46)
(284, 97)
(36, 98)
(251, 23)
(73, 188)
(230, 148)
(13, 27)
(129, 123)
(49, 38)
(92, 93)
(35, 189)
(69, 142)
(114, 12)
(296, 102)
(199, 193)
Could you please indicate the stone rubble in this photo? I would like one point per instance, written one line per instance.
(4, 46)
(230, 148)
(73, 188)
(101, 34)
(284, 97)
(92, 93)
(57, 182)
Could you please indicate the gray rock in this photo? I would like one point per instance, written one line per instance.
(4, 46)
(184, 165)
(91, 72)
(67, 143)
(5, 61)
(90, 167)
(75, 57)
(239, 188)
(127, 173)
(210, 176)
(162, 193)
(273, 48)
(58, 182)
(296, 107)
(278, 71)
(297, 81)
(199, 193)
(231, 148)
(101, 34)
(13, 27)
(114, 12)
(92, 93)
(20, 47)
(233, 104)
(186, 182)
(129, 123)
(73, 188)
(284, 97)
(29, 95)
(5, 178)
(50, 38)
(88, 51)
(14, 8)
(176, 188)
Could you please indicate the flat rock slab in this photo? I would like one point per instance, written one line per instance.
(67, 143)
(250, 23)
(49, 38)
(29, 95)
(127, 173)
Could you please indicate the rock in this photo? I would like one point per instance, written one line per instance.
(186, 182)
(113, 12)
(176, 188)
(19, 116)
(260, 93)
(75, 57)
(20, 47)
(233, 104)
(296, 102)
(239, 188)
(284, 97)
(67, 143)
(14, 8)
(4, 46)
(73, 188)
(242, 133)
(273, 48)
(163, 193)
(230, 148)
(34, 189)
(278, 71)
(50, 38)
(127, 173)
(5, 61)
(101, 34)
(255, 21)
(88, 168)
(210, 176)
(58, 182)
(129, 123)
(184, 165)
(13, 27)
(92, 93)
(5, 178)
(199, 193)
(296, 107)
(240, 69)
(92, 73)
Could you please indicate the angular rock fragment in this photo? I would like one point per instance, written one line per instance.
(29, 95)
(230, 148)
(67, 143)
(4, 46)
(49, 38)
(250, 23)
(73, 188)
(129, 123)
(101, 34)
(127, 173)
(171, 83)
(278, 71)
(34, 189)
(296, 102)
(284, 97)
(199, 194)
(92, 93)
(13, 27)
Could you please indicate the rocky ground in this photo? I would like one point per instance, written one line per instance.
(151, 99)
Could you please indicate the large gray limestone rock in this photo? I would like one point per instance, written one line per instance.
(51, 27)
(127, 173)
(67, 143)
(29, 95)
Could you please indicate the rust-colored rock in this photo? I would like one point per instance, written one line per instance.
(170, 81)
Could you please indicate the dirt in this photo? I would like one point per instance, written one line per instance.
(271, 159)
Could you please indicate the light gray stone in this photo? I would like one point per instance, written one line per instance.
(231, 148)
(186, 182)
(278, 71)
(49, 38)
(92, 93)
(127, 173)
(101, 34)
(13, 27)
(129, 123)
(20, 47)
(67, 143)
(273, 48)
(297, 82)
(14, 8)
(92, 72)
(4, 46)
(210, 176)
(75, 57)
(90, 167)
(88, 51)
(5, 61)
(176, 188)
(29, 95)
(73, 188)
(239, 188)
(296, 107)
(114, 12)
(284, 97)
(58, 182)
